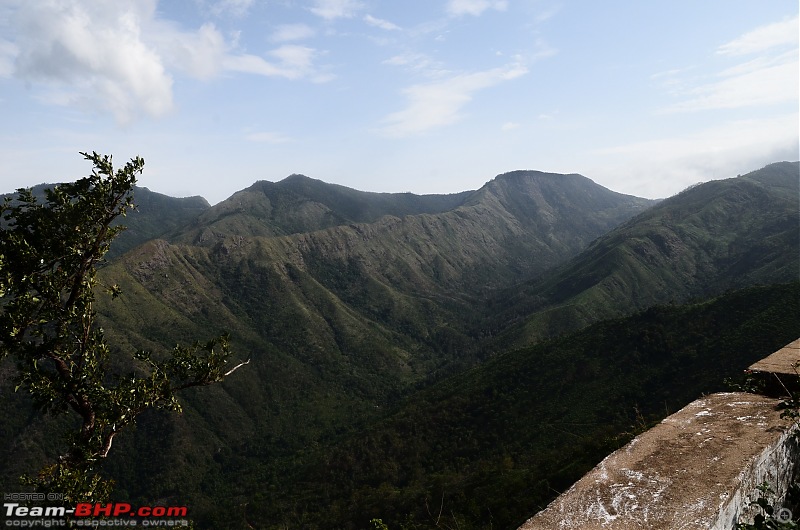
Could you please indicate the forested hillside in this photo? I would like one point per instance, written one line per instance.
(720, 235)
(489, 447)
(424, 358)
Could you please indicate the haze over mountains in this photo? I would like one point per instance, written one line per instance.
(389, 331)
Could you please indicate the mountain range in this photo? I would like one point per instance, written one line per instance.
(410, 351)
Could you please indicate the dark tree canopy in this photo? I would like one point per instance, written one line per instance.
(50, 249)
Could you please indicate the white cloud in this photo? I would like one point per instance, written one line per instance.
(332, 9)
(768, 77)
(763, 38)
(474, 7)
(295, 58)
(509, 126)
(439, 103)
(418, 62)
(95, 51)
(292, 32)
(119, 57)
(199, 54)
(293, 62)
(757, 83)
(661, 167)
(251, 64)
(290, 61)
(380, 23)
(542, 50)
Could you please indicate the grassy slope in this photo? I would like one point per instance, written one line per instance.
(300, 204)
(156, 215)
(715, 236)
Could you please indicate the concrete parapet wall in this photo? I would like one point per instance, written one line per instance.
(781, 362)
(697, 469)
(777, 466)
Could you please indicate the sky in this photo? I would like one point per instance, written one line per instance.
(427, 96)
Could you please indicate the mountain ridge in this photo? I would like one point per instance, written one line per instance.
(710, 237)
(428, 253)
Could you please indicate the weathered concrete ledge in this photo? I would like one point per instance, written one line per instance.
(697, 469)
(783, 361)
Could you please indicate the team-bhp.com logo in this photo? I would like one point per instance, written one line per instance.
(119, 514)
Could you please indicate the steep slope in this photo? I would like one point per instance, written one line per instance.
(715, 236)
(155, 215)
(511, 219)
(399, 294)
(488, 447)
(557, 214)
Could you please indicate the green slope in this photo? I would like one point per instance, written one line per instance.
(301, 204)
(339, 321)
(490, 447)
(398, 295)
(712, 237)
(155, 215)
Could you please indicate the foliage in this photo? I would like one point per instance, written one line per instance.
(378, 524)
(490, 446)
(768, 517)
(722, 235)
(49, 255)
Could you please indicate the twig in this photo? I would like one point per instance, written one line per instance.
(229, 372)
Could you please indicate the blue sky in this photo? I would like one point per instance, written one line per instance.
(427, 96)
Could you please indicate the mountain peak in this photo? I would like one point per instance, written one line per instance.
(299, 177)
(531, 173)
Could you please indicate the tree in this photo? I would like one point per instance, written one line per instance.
(50, 252)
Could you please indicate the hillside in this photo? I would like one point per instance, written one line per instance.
(488, 447)
(155, 215)
(301, 204)
(720, 235)
(552, 215)
(398, 294)
(347, 318)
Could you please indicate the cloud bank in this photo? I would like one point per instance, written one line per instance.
(122, 58)
(767, 74)
(439, 103)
